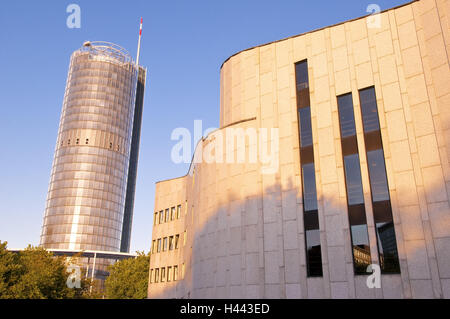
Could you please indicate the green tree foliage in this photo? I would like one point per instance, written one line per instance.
(36, 273)
(128, 278)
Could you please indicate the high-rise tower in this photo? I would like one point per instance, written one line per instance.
(91, 192)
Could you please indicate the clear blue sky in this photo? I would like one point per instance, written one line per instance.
(184, 44)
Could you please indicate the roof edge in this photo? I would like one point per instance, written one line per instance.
(315, 30)
(201, 141)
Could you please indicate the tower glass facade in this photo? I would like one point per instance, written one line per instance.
(88, 184)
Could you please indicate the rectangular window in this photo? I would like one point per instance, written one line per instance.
(161, 217)
(157, 275)
(159, 245)
(151, 275)
(353, 183)
(171, 243)
(381, 202)
(154, 246)
(310, 211)
(169, 274)
(172, 213)
(167, 215)
(155, 219)
(165, 244)
(175, 273)
(178, 211)
(163, 274)
(177, 240)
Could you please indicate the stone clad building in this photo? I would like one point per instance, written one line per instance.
(363, 176)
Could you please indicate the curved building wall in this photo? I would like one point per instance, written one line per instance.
(86, 197)
(246, 230)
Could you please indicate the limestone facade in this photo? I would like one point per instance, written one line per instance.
(242, 233)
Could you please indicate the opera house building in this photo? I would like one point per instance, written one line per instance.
(329, 176)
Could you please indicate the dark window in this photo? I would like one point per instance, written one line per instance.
(369, 110)
(304, 115)
(171, 243)
(175, 273)
(310, 212)
(166, 219)
(309, 186)
(377, 173)
(301, 75)
(157, 275)
(177, 240)
(381, 202)
(178, 211)
(353, 183)
(163, 274)
(353, 179)
(346, 116)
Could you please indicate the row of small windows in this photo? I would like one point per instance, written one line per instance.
(163, 274)
(167, 215)
(77, 142)
(86, 142)
(167, 243)
(382, 212)
(85, 154)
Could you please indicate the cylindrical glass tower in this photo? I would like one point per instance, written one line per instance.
(86, 196)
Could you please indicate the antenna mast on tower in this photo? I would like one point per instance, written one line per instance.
(139, 44)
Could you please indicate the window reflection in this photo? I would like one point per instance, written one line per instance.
(377, 172)
(314, 252)
(387, 247)
(353, 179)
(305, 126)
(309, 185)
(346, 116)
(310, 213)
(301, 74)
(369, 110)
(353, 183)
(381, 203)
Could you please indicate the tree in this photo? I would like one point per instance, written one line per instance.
(35, 273)
(128, 278)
